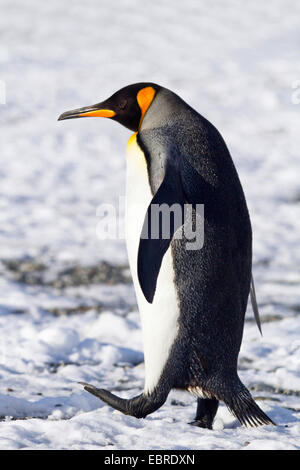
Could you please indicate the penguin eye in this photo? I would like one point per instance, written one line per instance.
(123, 104)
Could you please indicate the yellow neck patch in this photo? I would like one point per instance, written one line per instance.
(135, 157)
(131, 141)
(144, 98)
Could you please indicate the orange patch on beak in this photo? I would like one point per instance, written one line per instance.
(108, 113)
(144, 98)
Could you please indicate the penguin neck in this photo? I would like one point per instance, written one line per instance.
(166, 108)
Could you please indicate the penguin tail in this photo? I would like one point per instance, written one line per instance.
(139, 406)
(244, 408)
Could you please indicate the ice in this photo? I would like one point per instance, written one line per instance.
(236, 64)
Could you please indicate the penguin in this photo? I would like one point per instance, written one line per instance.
(192, 302)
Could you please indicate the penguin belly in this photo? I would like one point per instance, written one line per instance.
(159, 320)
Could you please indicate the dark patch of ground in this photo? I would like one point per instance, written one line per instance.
(30, 271)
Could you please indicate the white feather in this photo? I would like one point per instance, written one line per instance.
(159, 319)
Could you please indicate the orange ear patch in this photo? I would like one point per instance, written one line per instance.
(144, 98)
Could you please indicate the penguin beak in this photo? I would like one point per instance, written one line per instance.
(96, 110)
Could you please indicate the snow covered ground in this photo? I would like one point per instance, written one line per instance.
(67, 307)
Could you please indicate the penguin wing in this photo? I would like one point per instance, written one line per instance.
(180, 186)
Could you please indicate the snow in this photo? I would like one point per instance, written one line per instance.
(237, 65)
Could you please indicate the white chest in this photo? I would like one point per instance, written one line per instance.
(159, 319)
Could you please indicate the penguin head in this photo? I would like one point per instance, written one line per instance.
(127, 106)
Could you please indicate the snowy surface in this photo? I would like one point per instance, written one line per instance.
(235, 62)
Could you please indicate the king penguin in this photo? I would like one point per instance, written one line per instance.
(192, 302)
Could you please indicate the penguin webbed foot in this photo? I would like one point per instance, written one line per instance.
(206, 412)
(202, 423)
(116, 402)
(139, 406)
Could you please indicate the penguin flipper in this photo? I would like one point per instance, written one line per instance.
(153, 242)
(254, 304)
(139, 406)
(180, 185)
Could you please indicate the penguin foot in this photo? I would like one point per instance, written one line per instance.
(139, 406)
(206, 412)
(118, 403)
(202, 423)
